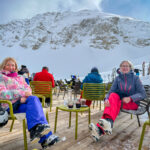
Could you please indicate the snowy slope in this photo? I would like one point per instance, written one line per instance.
(73, 42)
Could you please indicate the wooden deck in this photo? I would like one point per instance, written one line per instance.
(126, 133)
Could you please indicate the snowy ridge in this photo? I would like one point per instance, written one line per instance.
(100, 30)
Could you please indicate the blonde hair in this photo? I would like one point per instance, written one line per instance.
(6, 60)
(130, 64)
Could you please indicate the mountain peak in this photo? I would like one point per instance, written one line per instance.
(99, 30)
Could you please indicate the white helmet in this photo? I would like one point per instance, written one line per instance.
(3, 117)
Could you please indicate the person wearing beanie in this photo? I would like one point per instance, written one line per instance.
(93, 77)
(94, 69)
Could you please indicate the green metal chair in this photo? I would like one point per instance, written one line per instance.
(143, 132)
(43, 88)
(94, 92)
(45, 111)
(108, 87)
(14, 117)
(143, 106)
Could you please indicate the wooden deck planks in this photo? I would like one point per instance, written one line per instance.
(126, 133)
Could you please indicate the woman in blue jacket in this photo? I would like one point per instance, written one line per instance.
(93, 77)
(126, 87)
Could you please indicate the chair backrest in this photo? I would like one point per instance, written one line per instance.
(41, 87)
(94, 91)
(109, 86)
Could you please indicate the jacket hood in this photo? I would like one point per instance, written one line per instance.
(94, 76)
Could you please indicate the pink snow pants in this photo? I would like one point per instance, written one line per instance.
(113, 110)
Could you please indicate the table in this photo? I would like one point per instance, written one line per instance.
(70, 110)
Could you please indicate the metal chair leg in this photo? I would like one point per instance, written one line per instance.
(12, 124)
(89, 115)
(25, 135)
(56, 120)
(93, 104)
(47, 116)
(100, 105)
(142, 134)
(138, 120)
(76, 128)
(69, 119)
(148, 114)
(51, 105)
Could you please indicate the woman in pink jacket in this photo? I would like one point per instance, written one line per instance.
(14, 88)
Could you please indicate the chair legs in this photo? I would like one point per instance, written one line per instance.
(93, 104)
(12, 124)
(142, 134)
(76, 128)
(51, 101)
(100, 105)
(47, 116)
(131, 116)
(24, 134)
(138, 120)
(96, 101)
(56, 119)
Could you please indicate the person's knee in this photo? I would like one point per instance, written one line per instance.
(114, 95)
(33, 98)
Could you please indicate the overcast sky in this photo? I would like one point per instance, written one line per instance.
(20, 9)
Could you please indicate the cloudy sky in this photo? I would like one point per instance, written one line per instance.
(20, 9)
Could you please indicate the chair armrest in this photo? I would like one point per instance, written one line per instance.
(43, 98)
(10, 107)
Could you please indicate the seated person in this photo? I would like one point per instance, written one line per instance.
(44, 75)
(15, 89)
(25, 72)
(126, 87)
(73, 81)
(93, 77)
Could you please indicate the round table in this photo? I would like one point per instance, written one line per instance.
(70, 110)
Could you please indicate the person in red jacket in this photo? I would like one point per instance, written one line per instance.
(44, 75)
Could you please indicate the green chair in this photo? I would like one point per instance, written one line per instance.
(43, 88)
(94, 92)
(143, 132)
(21, 116)
(108, 87)
(13, 117)
(143, 106)
(45, 112)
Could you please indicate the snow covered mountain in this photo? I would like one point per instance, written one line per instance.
(100, 30)
(73, 42)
